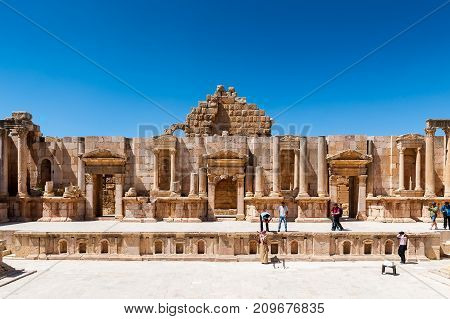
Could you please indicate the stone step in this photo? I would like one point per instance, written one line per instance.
(226, 218)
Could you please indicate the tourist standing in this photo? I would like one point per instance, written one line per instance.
(335, 215)
(283, 211)
(263, 248)
(266, 218)
(402, 246)
(445, 209)
(433, 210)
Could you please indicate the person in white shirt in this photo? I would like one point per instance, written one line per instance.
(283, 211)
(403, 241)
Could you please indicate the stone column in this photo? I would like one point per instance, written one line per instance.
(275, 167)
(249, 181)
(401, 169)
(370, 176)
(259, 171)
(119, 179)
(296, 169)
(22, 162)
(202, 181)
(81, 165)
(193, 182)
(303, 186)
(240, 198)
(89, 215)
(322, 174)
(155, 170)
(362, 194)
(418, 169)
(172, 171)
(447, 163)
(3, 162)
(333, 189)
(429, 162)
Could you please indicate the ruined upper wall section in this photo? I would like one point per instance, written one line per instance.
(224, 113)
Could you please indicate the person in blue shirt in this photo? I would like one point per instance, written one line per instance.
(266, 218)
(445, 210)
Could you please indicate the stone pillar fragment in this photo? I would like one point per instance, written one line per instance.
(193, 184)
(362, 194)
(322, 174)
(429, 163)
(172, 171)
(89, 197)
(275, 167)
(3, 162)
(401, 169)
(240, 198)
(155, 170)
(447, 164)
(418, 169)
(370, 177)
(303, 186)
(81, 166)
(259, 171)
(119, 180)
(202, 181)
(22, 162)
(296, 168)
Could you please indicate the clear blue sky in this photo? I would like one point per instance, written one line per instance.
(273, 53)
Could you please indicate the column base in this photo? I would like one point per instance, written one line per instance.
(248, 194)
(322, 195)
(275, 194)
(303, 195)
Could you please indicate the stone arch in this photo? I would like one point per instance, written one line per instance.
(346, 247)
(253, 247)
(388, 247)
(368, 247)
(62, 246)
(104, 247)
(201, 247)
(175, 127)
(82, 247)
(159, 247)
(294, 248)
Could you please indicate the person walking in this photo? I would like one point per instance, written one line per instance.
(266, 218)
(433, 210)
(445, 209)
(402, 246)
(335, 215)
(283, 211)
(263, 248)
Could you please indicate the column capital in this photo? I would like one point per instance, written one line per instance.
(88, 178)
(21, 131)
(430, 131)
(362, 179)
(401, 149)
(172, 151)
(418, 149)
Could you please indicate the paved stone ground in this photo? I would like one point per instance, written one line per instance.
(119, 279)
(232, 226)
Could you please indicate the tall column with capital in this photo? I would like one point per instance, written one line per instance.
(418, 169)
(322, 174)
(362, 194)
(155, 170)
(172, 171)
(119, 180)
(447, 163)
(370, 177)
(303, 186)
(296, 168)
(401, 169)
(22, 162)
(89, 197)
(81, 166)
(202, 181)
(3, 162)
(275, 167)
(429, 162)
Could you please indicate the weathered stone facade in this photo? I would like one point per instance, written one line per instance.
(228, 166)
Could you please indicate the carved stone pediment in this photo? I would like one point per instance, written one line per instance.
(103, 157)
(410, 141)
(349, 155)
(289, 142)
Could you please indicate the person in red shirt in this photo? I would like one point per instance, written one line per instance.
(335, 215)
